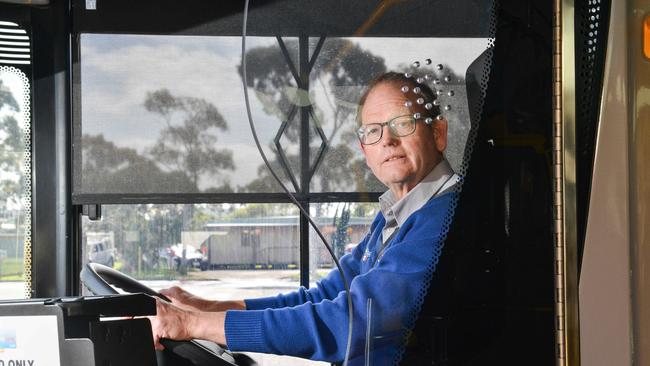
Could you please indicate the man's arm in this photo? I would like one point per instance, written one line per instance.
(385, 299)
(327, 288)
(188, 301)
(386, 302)
(388, 294)
(190, 316)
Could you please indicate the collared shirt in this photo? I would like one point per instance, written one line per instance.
(440, 180)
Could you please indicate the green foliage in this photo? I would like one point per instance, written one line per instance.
(11, 148)
(364, 209)
(340, 237)
(107, 166)
(11, 269)
(200, 217)
(149, 227)
(188, 146)
(183, 151)
(7, 98)
(262, 210)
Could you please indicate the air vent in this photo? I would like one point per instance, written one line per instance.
(26, 2)
(14, 45)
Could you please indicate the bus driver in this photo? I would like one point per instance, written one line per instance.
(403, 143)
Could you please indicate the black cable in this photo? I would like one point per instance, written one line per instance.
(291, 196)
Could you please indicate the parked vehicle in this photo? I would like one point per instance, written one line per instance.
(101, 252)
(193, 257)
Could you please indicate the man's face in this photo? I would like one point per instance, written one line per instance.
(400, 162)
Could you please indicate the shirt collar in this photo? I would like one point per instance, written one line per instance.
(433, 183)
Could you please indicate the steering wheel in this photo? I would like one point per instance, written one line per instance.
(102, 280)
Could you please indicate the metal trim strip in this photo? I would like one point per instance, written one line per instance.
(564, 110)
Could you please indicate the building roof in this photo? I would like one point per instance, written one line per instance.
(277, 221)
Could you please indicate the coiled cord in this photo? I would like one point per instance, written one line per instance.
(291, 196)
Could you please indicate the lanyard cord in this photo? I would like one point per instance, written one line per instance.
(291, 196)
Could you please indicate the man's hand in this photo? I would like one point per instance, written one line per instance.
(172, 322)
(188, 301)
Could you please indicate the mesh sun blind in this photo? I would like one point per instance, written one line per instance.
(163, 114)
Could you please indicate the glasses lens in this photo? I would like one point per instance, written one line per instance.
(370, 133)
(403, 126)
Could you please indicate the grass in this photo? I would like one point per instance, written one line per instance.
(11, 269)
(155, 274)
(320, 273)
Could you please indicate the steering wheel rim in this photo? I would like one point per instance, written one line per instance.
(100, 280)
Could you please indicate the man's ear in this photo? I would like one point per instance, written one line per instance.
(440, 134)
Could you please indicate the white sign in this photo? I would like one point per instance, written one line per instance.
(29, 341)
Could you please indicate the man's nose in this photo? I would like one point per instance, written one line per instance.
(387, 137)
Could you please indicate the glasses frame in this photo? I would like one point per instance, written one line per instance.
(391, 128)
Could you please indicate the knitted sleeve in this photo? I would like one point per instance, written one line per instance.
(386, 300)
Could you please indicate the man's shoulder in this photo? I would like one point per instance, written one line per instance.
(438, 204)
(433, 217)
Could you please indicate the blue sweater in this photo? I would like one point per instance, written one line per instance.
(313, 323)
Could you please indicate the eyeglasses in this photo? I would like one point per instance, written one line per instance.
(399, 126)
